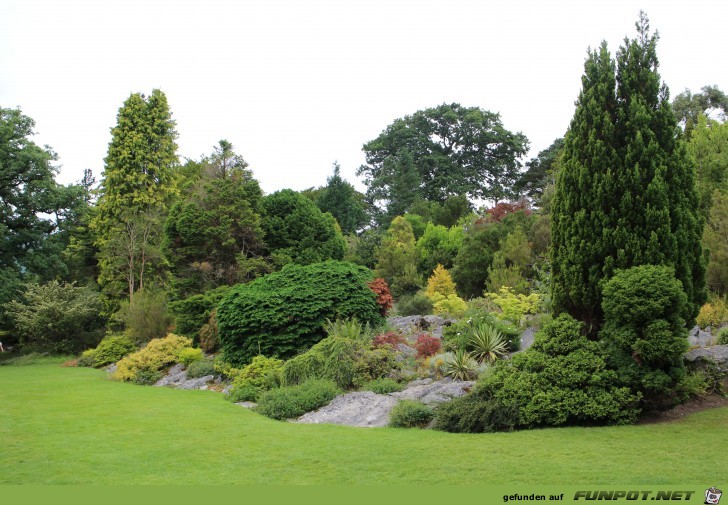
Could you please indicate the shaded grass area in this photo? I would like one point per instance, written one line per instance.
(73, 426)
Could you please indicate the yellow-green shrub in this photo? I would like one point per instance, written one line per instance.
(713, 313)
(452, 305)
(515, 306)
(157, 354)
(189, 355)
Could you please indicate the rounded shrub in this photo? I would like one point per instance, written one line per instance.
(284, 313)
(110, 350)
(200, 368)
(189, 355)
(410, 414)
(293, 401)
(645, 310)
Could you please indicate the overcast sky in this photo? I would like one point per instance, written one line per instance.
(298, 84)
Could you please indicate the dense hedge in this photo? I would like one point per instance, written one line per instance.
(283, 313)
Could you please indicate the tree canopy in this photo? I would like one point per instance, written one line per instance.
(440, 152)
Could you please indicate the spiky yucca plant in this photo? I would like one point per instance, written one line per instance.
(461, 366)
(488, 342)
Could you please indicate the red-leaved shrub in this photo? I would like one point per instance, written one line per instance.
(391, 339)
(384, 297)
(427, 346)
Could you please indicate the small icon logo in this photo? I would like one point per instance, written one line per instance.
(712, 496)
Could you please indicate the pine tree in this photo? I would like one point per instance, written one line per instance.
(341, 200)
(626, 194)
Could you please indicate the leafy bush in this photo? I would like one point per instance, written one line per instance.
(293, 401)
(470, 414)
(434, 366)
(110, 350)
(384, 297)
(461, 366)
(200, 368)
(372, 364)
(262, 373)
(645, 309)
(158, 353)
(192, 313)
(146, 377)
(244, 393)
(514, 306)
(145, 317)
(713, 313)
(56, 318)
(722, 338)
(450, 306)
(189, 355)
(383, 386)
(284, 313)
(427, 345)
(410, 414)
(417, 304)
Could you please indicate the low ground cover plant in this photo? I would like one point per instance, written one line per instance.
(288, 402)
(383, 386)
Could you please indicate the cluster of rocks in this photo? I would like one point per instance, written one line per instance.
(177, 377)
(368, 410)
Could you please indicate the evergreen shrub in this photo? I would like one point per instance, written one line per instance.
(142, 365)
(200, 368)
(410, 414)
(563, 379)
(194, 312)
(645, 310)
(293, 401)
(284, 313)
(417, 304)
(110, 350)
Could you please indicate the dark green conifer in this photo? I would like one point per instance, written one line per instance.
(626, 194)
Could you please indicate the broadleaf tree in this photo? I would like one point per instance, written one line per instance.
(439, 152)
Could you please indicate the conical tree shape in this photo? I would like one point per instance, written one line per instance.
(626, 195)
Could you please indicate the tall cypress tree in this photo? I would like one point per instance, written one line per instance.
(626, 194)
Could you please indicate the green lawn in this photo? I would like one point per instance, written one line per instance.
(73, 426)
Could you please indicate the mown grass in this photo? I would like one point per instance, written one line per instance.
(73, 426)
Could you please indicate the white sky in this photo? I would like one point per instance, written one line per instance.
(296, 85)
